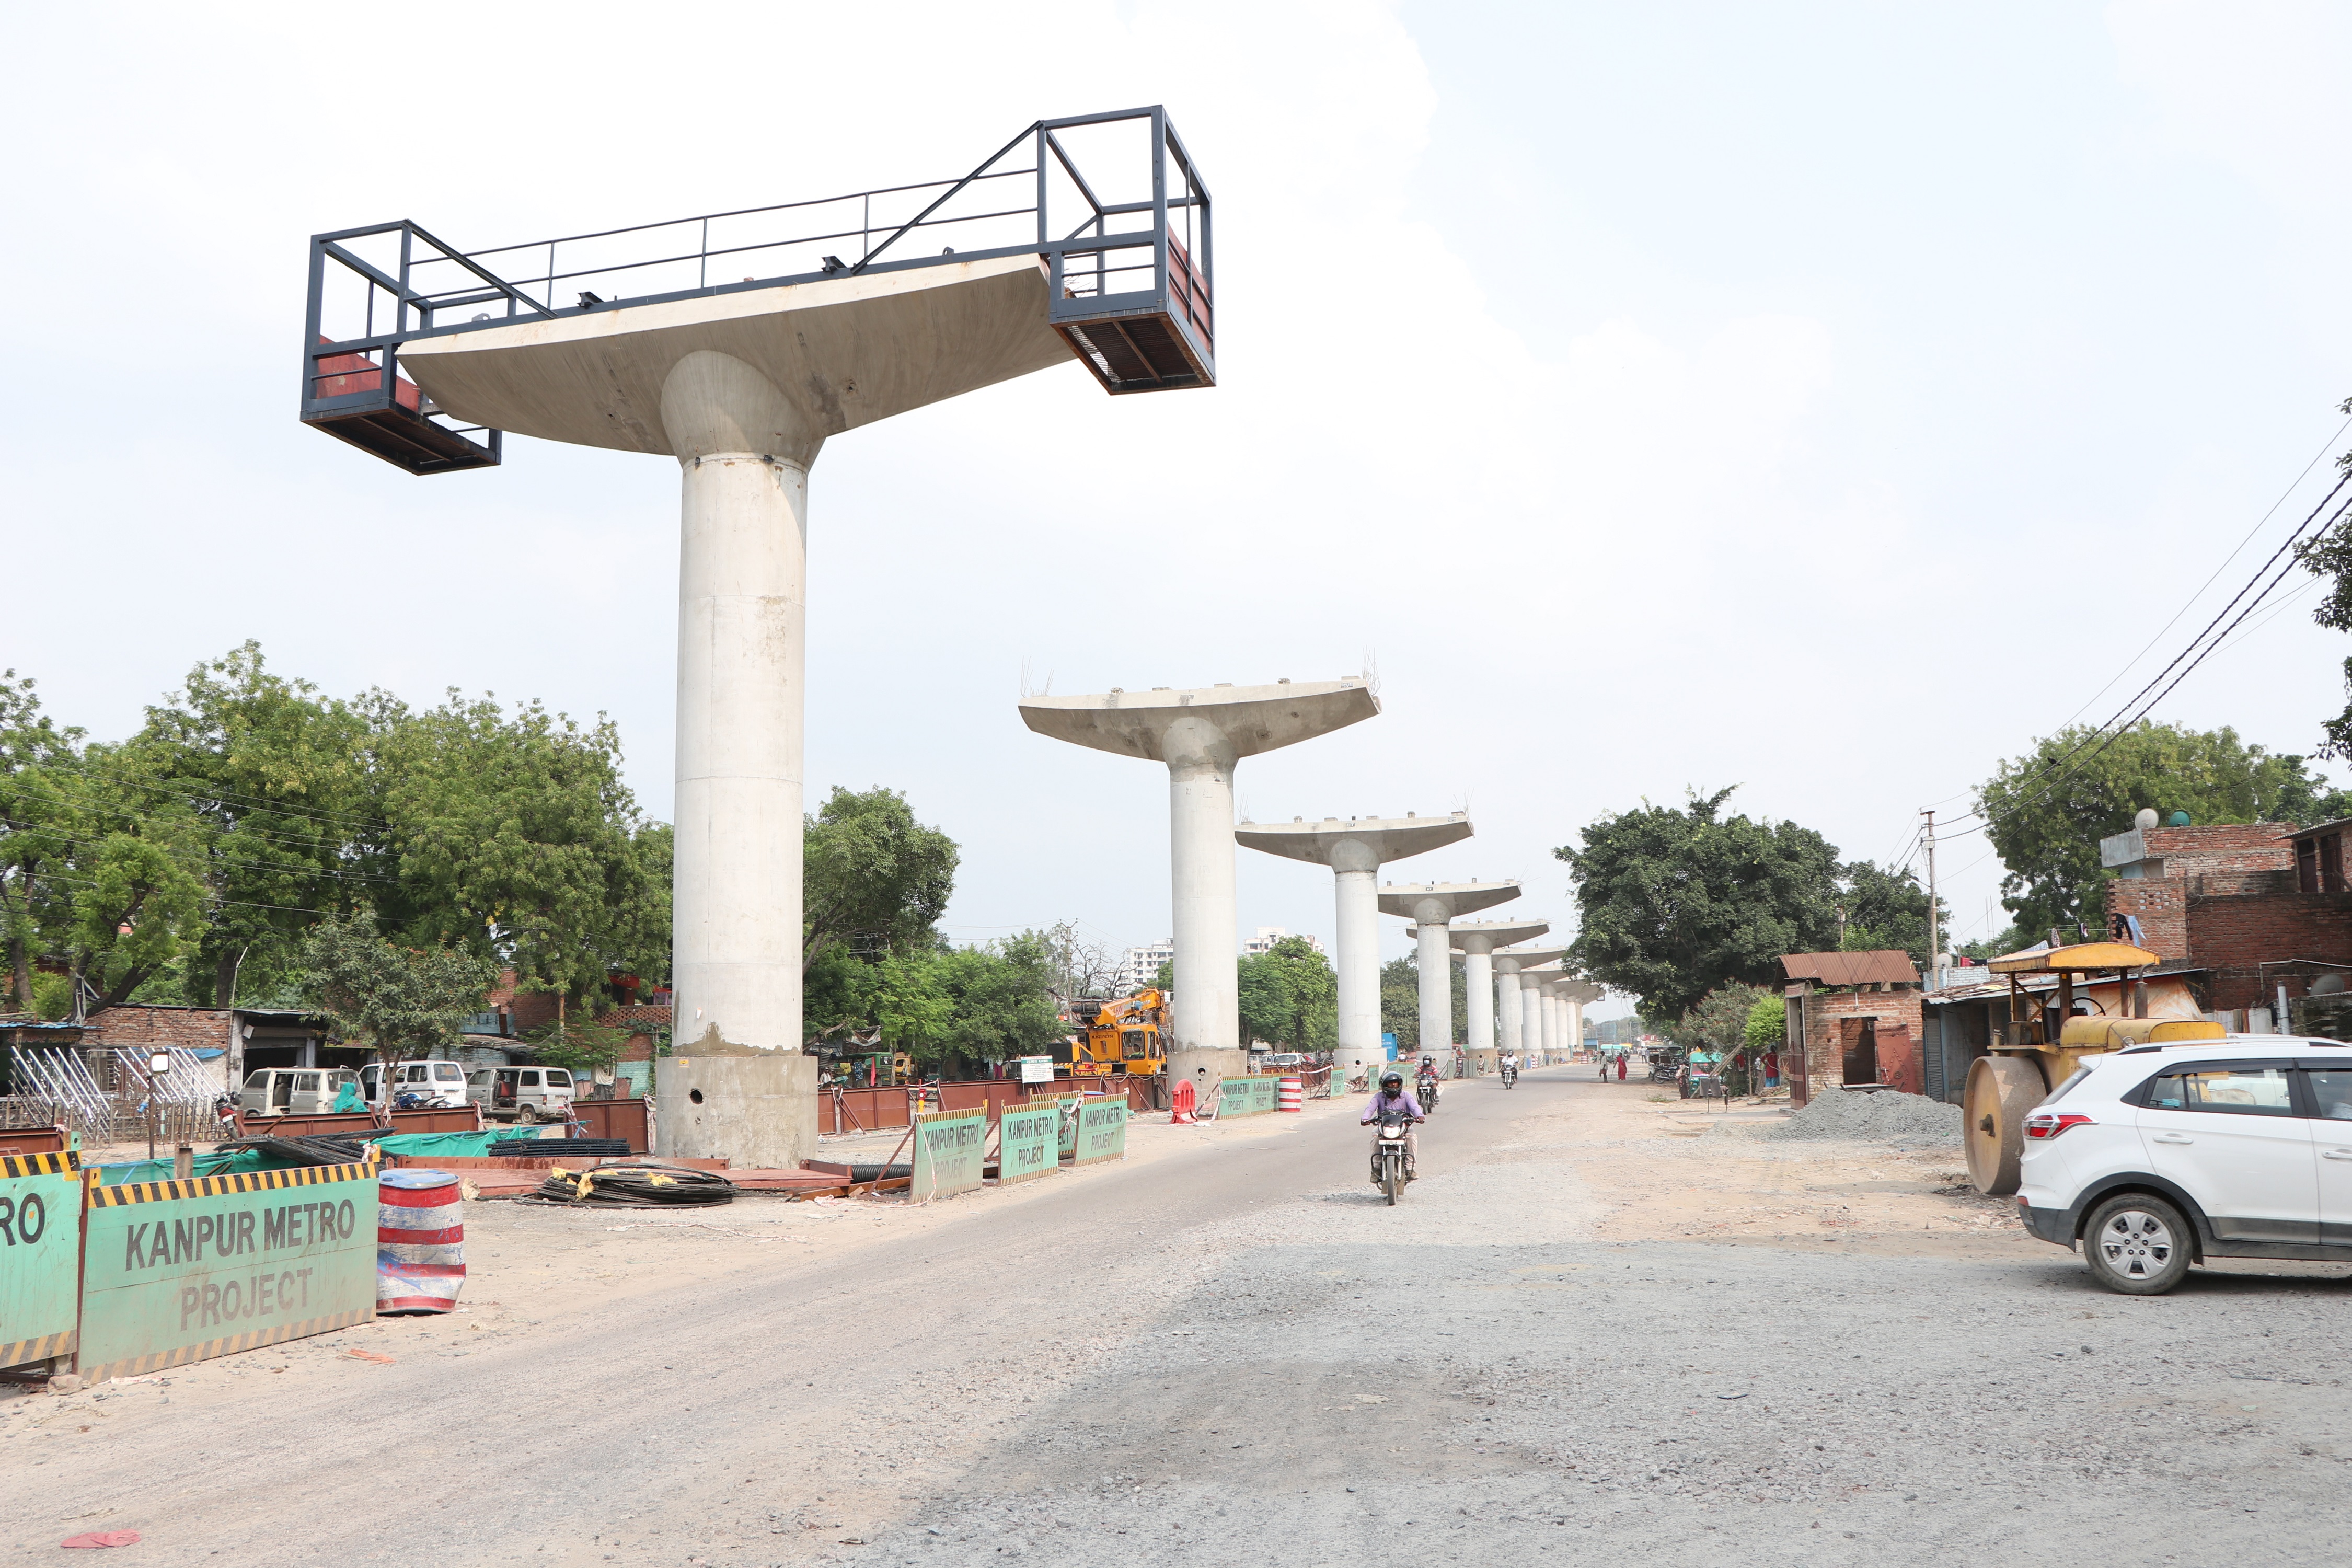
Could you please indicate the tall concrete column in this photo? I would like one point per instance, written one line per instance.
(1434, 975)
(1207, 1006)
(743, 456)
(1478, 982)
(1508, 1028)
(1476, 940)
(1430, 906)
(1535, 994)
(1200, 734)
(1355, 851)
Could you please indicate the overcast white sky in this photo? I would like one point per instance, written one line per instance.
(1826, 399)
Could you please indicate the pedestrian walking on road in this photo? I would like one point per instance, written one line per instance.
(1621, 1070)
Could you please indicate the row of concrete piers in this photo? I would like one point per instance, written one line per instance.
(1519, 1000)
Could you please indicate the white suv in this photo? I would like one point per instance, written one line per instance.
(2158, 1156)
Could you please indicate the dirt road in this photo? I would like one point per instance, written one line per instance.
(1596, 1329)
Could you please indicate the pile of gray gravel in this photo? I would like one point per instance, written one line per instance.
(1907, 1120)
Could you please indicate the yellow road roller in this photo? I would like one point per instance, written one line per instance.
(2025, 1065)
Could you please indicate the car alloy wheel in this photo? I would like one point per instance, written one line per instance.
(2137, 1244)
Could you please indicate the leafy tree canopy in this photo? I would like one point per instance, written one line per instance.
(402, 1001)
(1767, 1029)
(1290, 997)
(1888, 910)
(1674, 904)
(873, 878)
(2330, 556)
(2048, 809)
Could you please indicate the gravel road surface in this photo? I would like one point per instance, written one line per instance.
(1588, 1334)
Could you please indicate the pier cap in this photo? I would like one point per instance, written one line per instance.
(1529, 958)
(1251, 719)
(1454, 899)
(841, 352)
(1385, 838)
(1498, 932)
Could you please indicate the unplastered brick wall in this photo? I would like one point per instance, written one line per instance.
(2225, 846)
(165, 1028)
(2248, 941)
(2161, 907)
(1825, 1032)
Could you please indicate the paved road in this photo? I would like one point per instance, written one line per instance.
(1235, 1354)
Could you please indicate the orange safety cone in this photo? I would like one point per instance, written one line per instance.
(1183, 1100)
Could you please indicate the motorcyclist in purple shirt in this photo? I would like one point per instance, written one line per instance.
(1391, 1096)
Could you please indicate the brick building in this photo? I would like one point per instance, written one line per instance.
(1854, 1018)
(2256, 908)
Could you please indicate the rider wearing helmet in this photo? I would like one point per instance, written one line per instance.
(1390, 1096)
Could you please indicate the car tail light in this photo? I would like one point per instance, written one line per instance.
(2047, 1124)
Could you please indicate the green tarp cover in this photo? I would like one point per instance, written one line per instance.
(216, 1164)
(458, 1145)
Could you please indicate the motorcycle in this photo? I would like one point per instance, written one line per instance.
(1510, 1075)
(1426, 1093)
(1389, 1155)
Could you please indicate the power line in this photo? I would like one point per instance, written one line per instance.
(2198, 646)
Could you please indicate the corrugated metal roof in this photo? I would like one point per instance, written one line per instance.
(1884, 966)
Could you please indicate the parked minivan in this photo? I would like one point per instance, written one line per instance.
(527, 1094)
(292, 1092)
(443, 1083)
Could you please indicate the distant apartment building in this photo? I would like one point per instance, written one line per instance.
(1140, 967)
(1269, 935)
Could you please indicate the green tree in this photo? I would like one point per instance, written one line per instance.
(873, 878)
(2046, 811)
(1886, 910)
(1767, 1027)
(577, 1043)
(37, 773)
(1673, 904)
(1290, 997)
(278, 778)
(395, 999)
(1000, 999)
(515, 836)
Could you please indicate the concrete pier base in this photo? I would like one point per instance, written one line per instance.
(757, 1110)
(1204, 1070)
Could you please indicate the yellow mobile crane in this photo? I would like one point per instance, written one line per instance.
(1127, 1036)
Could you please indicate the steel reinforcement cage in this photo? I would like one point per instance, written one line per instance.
(1135, 301)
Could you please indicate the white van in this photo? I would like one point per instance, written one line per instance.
(292, 1092)
(527, 1094)
(443, 1083)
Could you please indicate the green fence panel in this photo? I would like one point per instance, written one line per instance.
(1066, 1107)
(1102, 1131)
(1255, 1095)
(40, 1256)
(1031, 1141)
(181, 1271)
(949, 1146)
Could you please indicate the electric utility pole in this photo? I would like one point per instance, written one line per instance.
(1935, 956)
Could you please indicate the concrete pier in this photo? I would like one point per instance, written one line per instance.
(1355, 851)
(1512, 1009)
(1200, 733)
(1431, 907)
(742, 389)
(1477, 942)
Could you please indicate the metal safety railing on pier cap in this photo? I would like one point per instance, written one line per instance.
(374, 288)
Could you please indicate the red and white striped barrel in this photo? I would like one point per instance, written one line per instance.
(1290, 1094)
(420, 1241)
